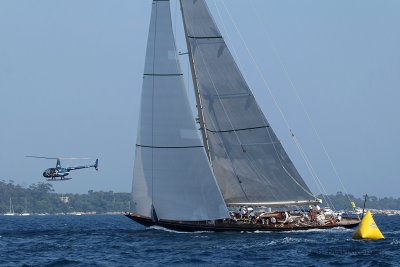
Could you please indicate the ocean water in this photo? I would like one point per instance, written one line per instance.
(114, 240)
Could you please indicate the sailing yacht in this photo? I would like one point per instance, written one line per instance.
(236, 175)
(11, 212)
(25, 213)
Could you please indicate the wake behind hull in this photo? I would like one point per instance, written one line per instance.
(224, 226)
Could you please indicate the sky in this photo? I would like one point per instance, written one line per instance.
(71, 74)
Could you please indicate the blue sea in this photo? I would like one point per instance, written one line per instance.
(114, 240)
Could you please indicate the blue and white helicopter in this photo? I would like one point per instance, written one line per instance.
(58, 173)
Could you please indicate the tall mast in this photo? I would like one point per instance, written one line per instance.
(172, 177)
(199, 104)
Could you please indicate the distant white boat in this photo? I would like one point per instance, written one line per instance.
(25, 213)
(11, 212)
(358, 211)
(74, 213)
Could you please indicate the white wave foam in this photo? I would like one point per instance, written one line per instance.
(330, 230)
(333, 230)
(268, 243)
(292, 240)
(157, 227)
(260, 232)
(395, 242)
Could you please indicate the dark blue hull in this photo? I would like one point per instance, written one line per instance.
(227, 225)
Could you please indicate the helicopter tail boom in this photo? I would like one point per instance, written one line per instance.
(96, 164)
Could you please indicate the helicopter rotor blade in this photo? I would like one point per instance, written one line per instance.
(74, 158)
(38, 157)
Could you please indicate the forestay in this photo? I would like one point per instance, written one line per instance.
(171, 169)
(248, 160)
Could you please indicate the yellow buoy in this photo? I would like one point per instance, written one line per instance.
(368, 229)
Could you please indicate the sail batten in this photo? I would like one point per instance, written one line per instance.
(233, 122)
(236, 130)
(204, 37)
(172, 178)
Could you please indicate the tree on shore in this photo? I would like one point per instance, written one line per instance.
(41, 198)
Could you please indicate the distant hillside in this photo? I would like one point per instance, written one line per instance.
(341, 202)
(40, 198)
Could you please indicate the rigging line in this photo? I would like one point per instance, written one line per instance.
(191, 65)
(262, 115)
(230, 160)
(286, 171)
(235, 171)
(312, 171)
(234, 131)
(254, 167)
(313, 174)
(229, 41)
(257, 66)
(216, 91)
(226, 114)
(199, 104)
(188, 78)
(178, 67)
(236, 58)
(267, 86)
(294, 88)
(316, 178)
(175, 15)
(218, 95)
(260, 174)
(200, 110)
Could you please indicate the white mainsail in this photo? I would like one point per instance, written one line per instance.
(172, 175)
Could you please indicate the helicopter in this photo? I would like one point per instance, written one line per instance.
(58, 173)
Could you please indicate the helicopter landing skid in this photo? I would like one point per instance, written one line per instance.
(58, 179)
